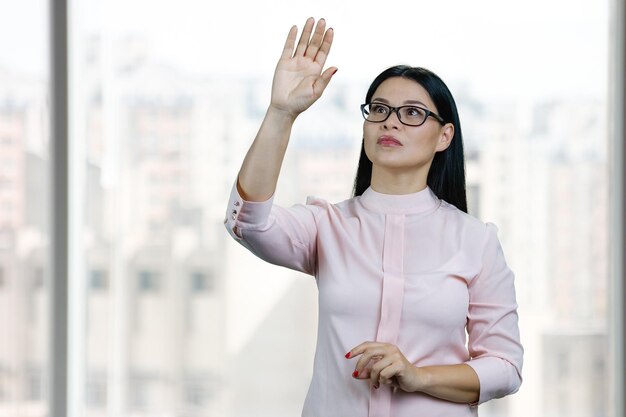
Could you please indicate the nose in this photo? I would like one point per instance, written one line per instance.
(393, 121)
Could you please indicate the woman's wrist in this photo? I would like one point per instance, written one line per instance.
(281, 115)
(421, 379)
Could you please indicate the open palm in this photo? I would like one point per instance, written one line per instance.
(298, 79)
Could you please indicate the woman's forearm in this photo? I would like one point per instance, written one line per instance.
(260, 169)
(457, 383)
(298, 82)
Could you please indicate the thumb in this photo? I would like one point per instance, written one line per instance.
(322, 81)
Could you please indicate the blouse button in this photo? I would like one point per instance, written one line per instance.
(237, 203)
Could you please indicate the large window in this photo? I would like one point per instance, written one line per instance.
(170, 316)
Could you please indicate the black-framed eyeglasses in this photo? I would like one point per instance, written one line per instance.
(408, 115)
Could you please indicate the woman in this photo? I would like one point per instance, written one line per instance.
(402, 270)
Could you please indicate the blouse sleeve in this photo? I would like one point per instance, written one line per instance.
(281, 236)
(492, 324)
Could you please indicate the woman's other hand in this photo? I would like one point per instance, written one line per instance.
(383, 363)
(298, 79)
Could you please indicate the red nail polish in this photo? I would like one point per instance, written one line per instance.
(355, 374)
(348, 355)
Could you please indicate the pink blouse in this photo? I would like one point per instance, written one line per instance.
(411, 270)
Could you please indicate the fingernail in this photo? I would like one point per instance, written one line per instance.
(355, 374)
(348, 355)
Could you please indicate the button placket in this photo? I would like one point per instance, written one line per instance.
(391, 302)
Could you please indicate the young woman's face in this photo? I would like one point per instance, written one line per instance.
(391, 144)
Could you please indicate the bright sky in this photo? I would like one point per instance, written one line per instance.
(534, 48)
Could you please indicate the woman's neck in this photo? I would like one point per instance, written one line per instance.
(389, 181)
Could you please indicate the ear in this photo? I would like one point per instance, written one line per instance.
(445, 137)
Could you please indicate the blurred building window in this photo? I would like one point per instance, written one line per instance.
(34, 384)
(196, 391)
(96, 390)
(5, 382)
(149, 281)
(201, 282)
(38, 278)
(99, 280)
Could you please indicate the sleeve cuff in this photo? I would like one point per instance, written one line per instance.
(497, 377)
(242, 214)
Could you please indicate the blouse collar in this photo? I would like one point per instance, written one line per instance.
(418, 202)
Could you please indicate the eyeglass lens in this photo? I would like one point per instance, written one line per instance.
(410, 115)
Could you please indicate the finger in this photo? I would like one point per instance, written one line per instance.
(365, 373)
(289, 43)
(377, 368)
(316, 40)
(386, 375)
(304, 37)
(374, 355)
(365, 345)
(321, 83)
(324, 50)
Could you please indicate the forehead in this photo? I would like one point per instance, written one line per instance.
(398, 90)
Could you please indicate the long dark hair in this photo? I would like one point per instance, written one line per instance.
(446, 176)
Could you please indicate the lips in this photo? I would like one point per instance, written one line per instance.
(388, 141)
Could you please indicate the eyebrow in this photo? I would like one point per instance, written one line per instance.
(382, 100)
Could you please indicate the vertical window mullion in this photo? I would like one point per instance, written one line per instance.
(77, 251)
(67, 329)
(59, 238)
(618, 206)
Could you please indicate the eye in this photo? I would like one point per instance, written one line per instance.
(416, 112)
(378, 108)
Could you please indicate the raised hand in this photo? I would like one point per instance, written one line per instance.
(298, 79)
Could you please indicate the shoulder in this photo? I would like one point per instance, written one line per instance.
(479, 232)
(466, 219)
(322, 206)
(325, 204)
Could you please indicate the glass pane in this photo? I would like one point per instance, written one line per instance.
(24, 193)
(182, 321)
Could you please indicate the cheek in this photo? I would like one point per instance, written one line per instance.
(426, 140)
(367, 130)
(368, 138)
